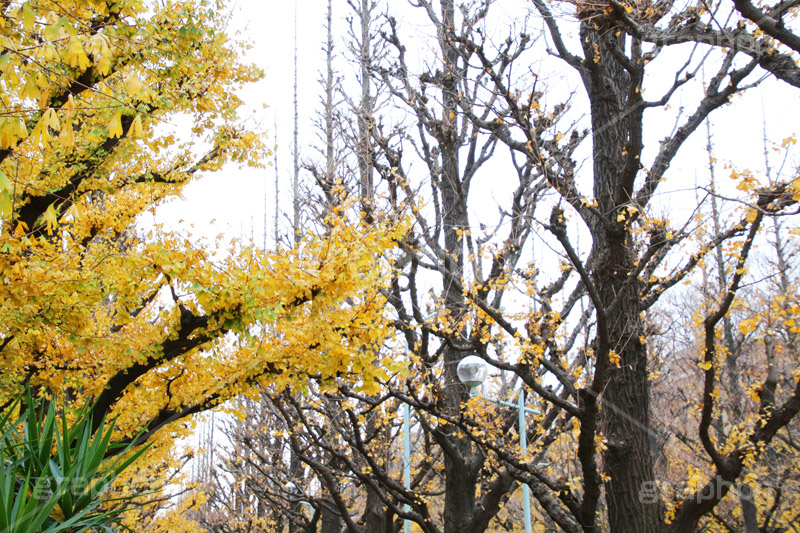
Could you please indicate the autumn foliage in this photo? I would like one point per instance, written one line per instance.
(149, 325)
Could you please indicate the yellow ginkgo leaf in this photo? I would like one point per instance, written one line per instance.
(31, 89)
(28, 16)
(51, 31)
(40, 134)
(103, 65)
(67, 135)
(21, 130)
(50, 119)
(49, 218)
(136, 130)
(73, 213)
(76, 56)
(6, 196)
(6, 134)
(133, 85)
(115, 125)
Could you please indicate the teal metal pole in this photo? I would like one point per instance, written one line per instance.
(523, 444)
(406, 461)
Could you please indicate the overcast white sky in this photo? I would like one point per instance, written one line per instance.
(238, 199)
(234, 198)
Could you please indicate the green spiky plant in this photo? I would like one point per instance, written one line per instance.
(56, 473)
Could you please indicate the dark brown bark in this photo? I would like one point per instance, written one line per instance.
(331, 522)
(770, 20)
(613, 82)
(375, 517)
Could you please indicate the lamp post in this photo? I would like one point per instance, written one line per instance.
(407, 455)
(472, 371)
(406, 461)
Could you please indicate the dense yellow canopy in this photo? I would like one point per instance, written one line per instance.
(150, 325)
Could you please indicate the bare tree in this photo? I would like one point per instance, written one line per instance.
(296, 149)
(256, 483)
(569, 327)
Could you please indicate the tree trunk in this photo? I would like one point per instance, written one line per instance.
(374, 514)
(364, 151)
(296, 155)
(296, 475)
(616, 125)
(331, 522)
(749, 511)
(460, 477)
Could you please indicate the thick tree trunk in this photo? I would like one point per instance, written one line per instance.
(625, 422)
(375, 514)
(625, 415)
(331, 522)
(296, 474)
(460, 477)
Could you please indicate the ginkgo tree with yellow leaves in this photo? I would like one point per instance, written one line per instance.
(149, 326)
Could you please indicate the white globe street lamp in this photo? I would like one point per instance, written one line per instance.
(296, 496)
(472, 371)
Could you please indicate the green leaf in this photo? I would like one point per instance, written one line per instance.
(6, 206)
(5, 183)
(51, 32)
(35, 483)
